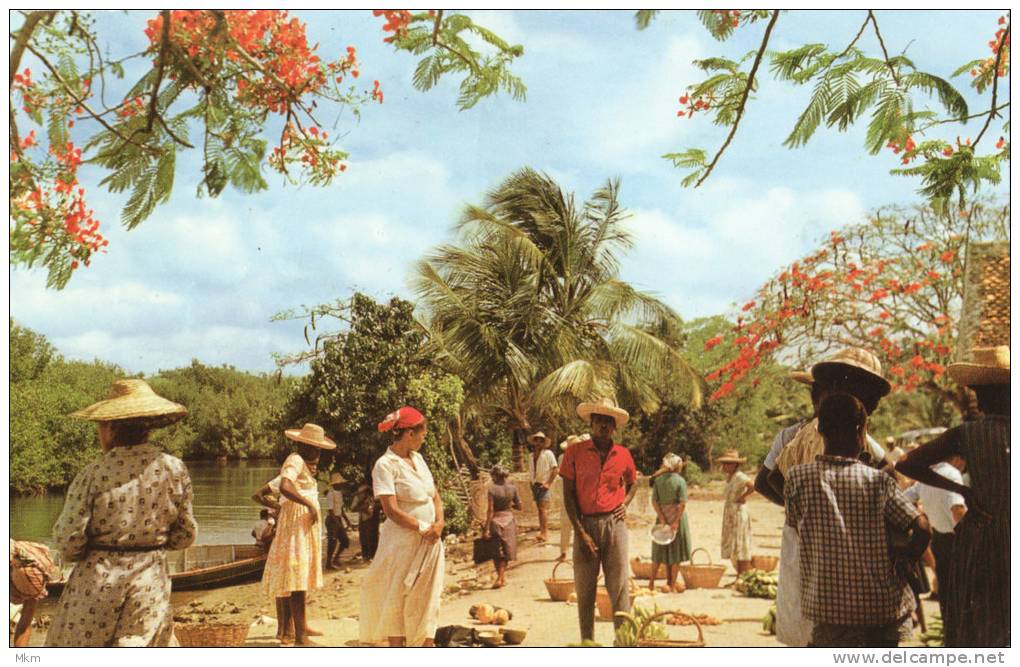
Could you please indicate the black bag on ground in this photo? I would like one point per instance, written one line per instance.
(485, 549)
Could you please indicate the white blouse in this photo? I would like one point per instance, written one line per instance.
(413, 486)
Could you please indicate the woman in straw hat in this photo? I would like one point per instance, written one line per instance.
(736, 522)
(500, 521)
(669, 498)
(400, 592)
(294, 563)
(121, 514)
(978, 591)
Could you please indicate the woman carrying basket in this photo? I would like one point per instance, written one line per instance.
(121, 514)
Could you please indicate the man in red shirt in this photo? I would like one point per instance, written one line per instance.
(598, 484)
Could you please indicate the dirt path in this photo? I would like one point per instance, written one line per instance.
(334, 609)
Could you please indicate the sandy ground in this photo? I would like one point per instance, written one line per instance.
(334, 609)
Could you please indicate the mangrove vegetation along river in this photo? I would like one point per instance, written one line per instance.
(223, 505)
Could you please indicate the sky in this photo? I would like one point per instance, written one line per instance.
(202, 278)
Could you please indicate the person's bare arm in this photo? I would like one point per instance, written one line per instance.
(290, 492)
(435, 531)
(574, 514)
(489, 511)
(778, 483)
(748, 490)
(958, 511)
(263, 497)
(762, 486)
(621, 511)
(679, 515)
(552, 476)
(658, 511)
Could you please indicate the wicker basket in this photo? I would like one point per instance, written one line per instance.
(643, 569)
(195, 635)
(669, 643)
(764, 563)
(559, 589)
(604, 605)
(702, 576)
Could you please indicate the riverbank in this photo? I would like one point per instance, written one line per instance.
(334, 609)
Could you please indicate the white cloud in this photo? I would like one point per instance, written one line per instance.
(569, 46)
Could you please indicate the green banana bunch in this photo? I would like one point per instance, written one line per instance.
(758, 584)
(768, 622)
(626, 634)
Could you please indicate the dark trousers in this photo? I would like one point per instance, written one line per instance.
(336, 536)
(610, 536)
(368, 535)
(829, 635)
(942, 546)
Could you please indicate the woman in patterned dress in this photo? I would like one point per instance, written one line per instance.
(294, 562)
(121, 514)
(736, 527)
(669, 498)
(400, 592)
(978, 601)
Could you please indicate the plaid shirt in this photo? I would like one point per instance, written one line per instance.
(841, 507)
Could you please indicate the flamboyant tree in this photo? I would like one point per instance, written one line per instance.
(892, 285)
(907, 109)
(218, 82)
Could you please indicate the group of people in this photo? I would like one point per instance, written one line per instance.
(852, 539)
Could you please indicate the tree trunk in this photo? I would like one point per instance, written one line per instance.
(461, 447)
(520, 449)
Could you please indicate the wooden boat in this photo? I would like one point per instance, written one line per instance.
(205, 567)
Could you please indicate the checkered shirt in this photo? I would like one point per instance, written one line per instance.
(841, 508)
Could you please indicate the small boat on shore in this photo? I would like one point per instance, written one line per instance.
(205, 567)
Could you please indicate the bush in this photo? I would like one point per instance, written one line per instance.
(456, 514)
(693, 474)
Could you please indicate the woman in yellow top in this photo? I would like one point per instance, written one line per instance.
(400, 592)
(294, 563)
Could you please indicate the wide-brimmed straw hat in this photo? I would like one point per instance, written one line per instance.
(536, 437)
(988, 365)
(731, 456)
(133, 399)
(310, 434)
(571, 439)
(603, 406)
(336, 478)
(852, 361)
(802, 377)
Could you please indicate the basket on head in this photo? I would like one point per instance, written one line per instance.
(644, 569)
(197, 635)
(764, 563)
(604, 605)
(702, 576)
(669, 643)
(559, 589)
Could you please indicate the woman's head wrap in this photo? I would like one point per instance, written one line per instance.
(672, 462)
(405, 417)
(499, 471)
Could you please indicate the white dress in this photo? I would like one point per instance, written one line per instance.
(401, 590)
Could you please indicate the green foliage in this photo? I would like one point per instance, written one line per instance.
(693, 474)
(230, 413)
(448, 41)
(644, 17)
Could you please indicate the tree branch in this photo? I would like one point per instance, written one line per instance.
(994, 111)
(25, 34)
(995, 84)
(885, 53)
(160, 63)
(83, 104)
(435, 28)
(743, 99)
(859, 33)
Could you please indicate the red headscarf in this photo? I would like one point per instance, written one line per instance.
(405, 417)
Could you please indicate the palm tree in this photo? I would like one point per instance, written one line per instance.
(530, 312)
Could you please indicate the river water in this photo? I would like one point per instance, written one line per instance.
(223, 505)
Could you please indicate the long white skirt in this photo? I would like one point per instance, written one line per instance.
(401, 591)
(792, 628)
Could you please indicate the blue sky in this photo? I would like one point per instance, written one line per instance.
(202, 277)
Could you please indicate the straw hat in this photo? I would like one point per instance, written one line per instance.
(988, 365)
(571, 439)
(311, 434)
(534, 438)
(802, 377)
(603, 406)
(133, 399)
(336, 478)
(731, 456)
(854, 359)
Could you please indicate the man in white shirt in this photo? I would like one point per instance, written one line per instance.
(543, 469)
(945, 509)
